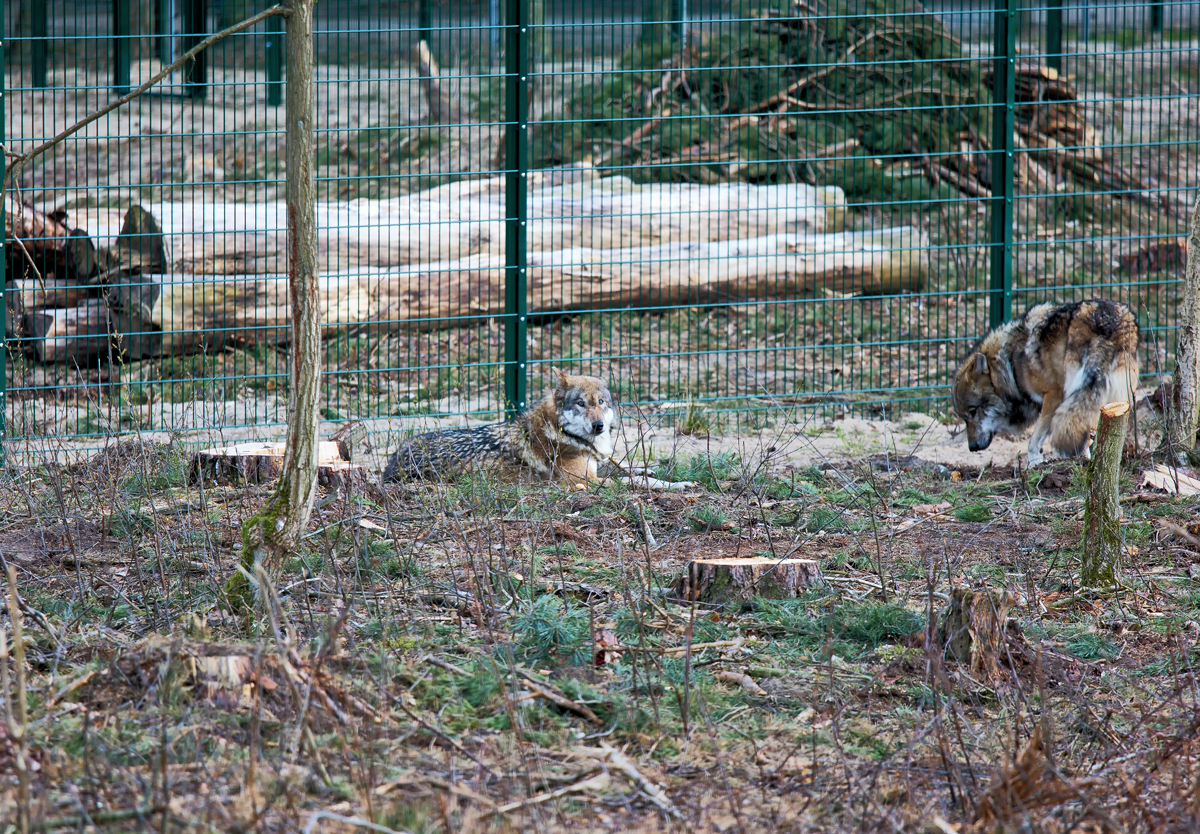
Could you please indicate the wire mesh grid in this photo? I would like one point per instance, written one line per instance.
(730, 210)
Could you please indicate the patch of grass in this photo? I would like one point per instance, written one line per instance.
(551, 631)
(1088, 646)
(708, 517)
(857, 627)
(978, 513)
(825, 518)
(708, 470)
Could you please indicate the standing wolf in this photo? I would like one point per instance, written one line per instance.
(562, 437)
(1053, 367)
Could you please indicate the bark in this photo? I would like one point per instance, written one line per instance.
(718, 581)
(1102, 512)
(567, 207)
(443, 109)
(972, 629)
(260, 463)
(193, 316)
(1184, 416)
(268, 536)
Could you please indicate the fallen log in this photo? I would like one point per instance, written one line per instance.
(177, 316)
(722, 580)
(72, 334)
(45, 243)
(463, 219)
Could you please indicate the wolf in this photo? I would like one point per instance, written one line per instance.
(1054, 367)
(564, 436)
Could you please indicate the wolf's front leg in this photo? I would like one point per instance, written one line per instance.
(1041, 430)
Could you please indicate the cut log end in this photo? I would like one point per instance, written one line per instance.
(718, 581)
(260, 463)
(1115, 409)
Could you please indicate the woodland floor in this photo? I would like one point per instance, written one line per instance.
(435, 650)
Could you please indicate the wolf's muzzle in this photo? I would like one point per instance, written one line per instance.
(598, 427)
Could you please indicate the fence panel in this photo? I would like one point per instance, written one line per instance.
(734, 210)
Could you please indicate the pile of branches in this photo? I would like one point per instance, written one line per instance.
(874, 97)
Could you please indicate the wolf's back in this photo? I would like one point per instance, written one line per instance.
(441, 453)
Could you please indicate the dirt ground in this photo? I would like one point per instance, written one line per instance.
(475, 656)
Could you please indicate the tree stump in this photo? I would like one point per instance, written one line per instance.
(260, 463)
(972, 629)
(1102, 512)
(717, 581)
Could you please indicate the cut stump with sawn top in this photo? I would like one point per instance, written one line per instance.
(260, 463)
(721, 580)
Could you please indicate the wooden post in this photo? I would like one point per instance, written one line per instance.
(269, 535)
(1185, 413)
(1102, 512)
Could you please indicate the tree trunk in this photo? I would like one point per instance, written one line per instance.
(1102, 512)
(269, 535)
(717, 581)
(972, 629)
(1185, 413)
(655, 29)
(443, 110)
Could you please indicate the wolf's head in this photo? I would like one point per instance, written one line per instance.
(986, 395)
(586, 412)
(976, 401)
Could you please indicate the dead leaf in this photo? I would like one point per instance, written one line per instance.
(1174, 481)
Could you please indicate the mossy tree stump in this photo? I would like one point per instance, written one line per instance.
(718, 581)
(1102, 511)
(972, 629)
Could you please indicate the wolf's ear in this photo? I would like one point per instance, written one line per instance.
(981, 364)
(561, 377)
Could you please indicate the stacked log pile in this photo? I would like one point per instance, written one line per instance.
(437, 260)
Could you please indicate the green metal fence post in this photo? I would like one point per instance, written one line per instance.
(121, 47)
(1004, 98)
(195, 27)
(274, 60)
(1054, 34)
(3, 254)
(516, 163)
(1156, 16)
(39, 44)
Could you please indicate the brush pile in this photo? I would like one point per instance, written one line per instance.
(877, 98)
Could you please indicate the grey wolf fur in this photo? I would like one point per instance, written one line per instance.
(562, 437)
(1054, 367)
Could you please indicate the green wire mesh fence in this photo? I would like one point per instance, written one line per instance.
(731, 210)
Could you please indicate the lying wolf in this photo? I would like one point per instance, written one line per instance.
(563, 437)
(1054, 367)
